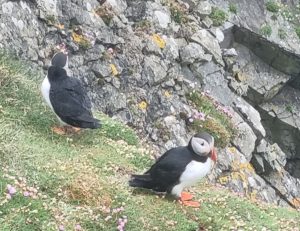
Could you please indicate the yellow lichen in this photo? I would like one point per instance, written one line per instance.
(167, 94)
(232, 150)
(114, 70)
(160, 42)
(223, 180)
(77, 37)
(143, 105)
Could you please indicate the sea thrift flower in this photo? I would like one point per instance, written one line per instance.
(77, 227)
(61, 228)
(11, 189)
(26, 194)
(121, 223)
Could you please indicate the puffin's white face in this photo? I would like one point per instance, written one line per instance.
(201, 146)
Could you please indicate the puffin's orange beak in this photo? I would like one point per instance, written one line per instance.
(214, 155)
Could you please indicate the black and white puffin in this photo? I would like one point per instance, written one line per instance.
(179, 168)
(66, 97)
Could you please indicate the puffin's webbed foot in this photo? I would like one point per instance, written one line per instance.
(72, 130)
(185, 196)
(186, 199)
(64, 130)
(59, 130)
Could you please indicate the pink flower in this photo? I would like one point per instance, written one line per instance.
(11, 189)
(77, 227)
(61, 228)
(110, 50)
(26, 194)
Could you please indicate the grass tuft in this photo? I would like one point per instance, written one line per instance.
(217, 123)
(272, 6)
(233, 8)
(218, 16)
(266, 30)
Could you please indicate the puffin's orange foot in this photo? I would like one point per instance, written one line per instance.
(185, 196)
(59, 130)
(76, 130)
(194, 204)
(71, 129)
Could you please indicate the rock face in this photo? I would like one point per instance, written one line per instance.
(140, 59)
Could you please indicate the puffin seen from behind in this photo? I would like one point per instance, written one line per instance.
(179, 168)
(66, 97)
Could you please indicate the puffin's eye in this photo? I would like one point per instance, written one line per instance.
(202, 143)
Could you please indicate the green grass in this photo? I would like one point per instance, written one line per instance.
(218, 16)
(232, 8)
(179, 13)
(272, 6)
(282, 34)
(297, 30)
(266, 30)
(80, 179)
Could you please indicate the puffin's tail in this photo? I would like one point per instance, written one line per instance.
(141, 181)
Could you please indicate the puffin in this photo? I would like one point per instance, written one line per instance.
(66, 97)
(179, 168)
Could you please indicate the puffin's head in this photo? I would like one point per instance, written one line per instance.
(55, 73)
(60, 59)
(203, 145)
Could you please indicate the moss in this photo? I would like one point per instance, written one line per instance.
(143, 25)
(232, 8)
(272, 6)
(179, 12)
(106, 13)
(282, 34)
(50, 19)
(266, 30)
(218, 16)
(218, 124)
(297, 30)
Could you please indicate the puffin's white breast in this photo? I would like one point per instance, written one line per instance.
(45, 89)
(194, 171)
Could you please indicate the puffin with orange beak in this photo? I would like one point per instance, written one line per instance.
(180, 168)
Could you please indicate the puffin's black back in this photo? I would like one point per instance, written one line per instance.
(165, 173)
(69, 100)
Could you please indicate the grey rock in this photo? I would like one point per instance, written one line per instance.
(245, 140)
(151, 48)
(251, 116)
(230, 52)
(281, 117)
(217, 32)
(101, 70)
(193, 52)
(207, 22)
(262, 85)
(118, 5)
(163, 18)
(171, 50)
(203, 8)
(155, 71)
(274, 55)
(269, 157)
(209, 43)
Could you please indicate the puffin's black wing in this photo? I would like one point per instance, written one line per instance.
(165, 173)
(71, 103)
